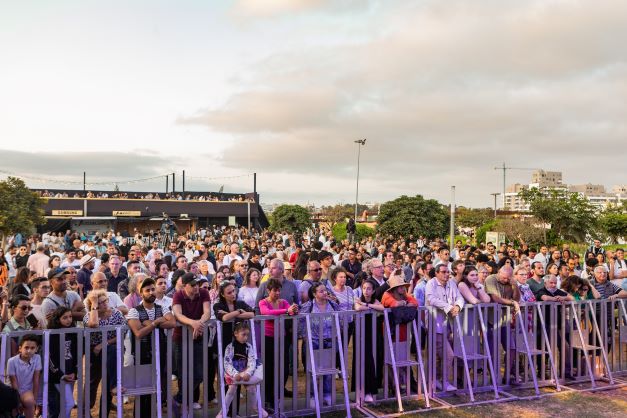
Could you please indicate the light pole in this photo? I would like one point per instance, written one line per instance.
(359, 143)
(495, 195)
(452, 226)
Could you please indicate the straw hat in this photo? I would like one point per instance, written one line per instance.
(396, 281)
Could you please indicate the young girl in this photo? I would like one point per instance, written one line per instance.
(63, 364)
(241, 367)
(24, 371)
(367, 302)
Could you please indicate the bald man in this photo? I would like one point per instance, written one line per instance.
(99, 281)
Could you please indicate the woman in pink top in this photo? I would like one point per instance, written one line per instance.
(273, 305)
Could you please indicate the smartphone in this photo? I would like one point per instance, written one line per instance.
(32, 320)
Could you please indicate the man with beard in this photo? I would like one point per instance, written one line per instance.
(60, 296)
(143, 320)
(191, 307)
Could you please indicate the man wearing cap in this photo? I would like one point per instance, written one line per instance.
(38, 262)
(143, 320)
(191, 307)
(84, 274)
(60, 296)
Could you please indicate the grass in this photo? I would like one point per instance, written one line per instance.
(610, 403)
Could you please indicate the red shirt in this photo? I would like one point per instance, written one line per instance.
(388, 301)
(191, 308)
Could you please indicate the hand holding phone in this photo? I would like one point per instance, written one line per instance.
(32, 320)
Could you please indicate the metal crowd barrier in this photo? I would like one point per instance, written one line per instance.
(486, 350)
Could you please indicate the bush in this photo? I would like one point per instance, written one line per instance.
(363, 231)
(483, 229)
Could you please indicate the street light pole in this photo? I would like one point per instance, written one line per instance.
(359, 143)
(495, 195)
(452, 229)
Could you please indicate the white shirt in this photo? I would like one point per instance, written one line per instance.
(544, 259)
(228, 258)
(166, 302)
(619, 267)
(114, 300)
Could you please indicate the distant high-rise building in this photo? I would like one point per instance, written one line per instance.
(546, 180)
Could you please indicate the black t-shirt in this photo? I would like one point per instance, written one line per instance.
(253, 265)
(114, 282)
(547, 309)
(124, 250)
(227, 327)
(21, 260)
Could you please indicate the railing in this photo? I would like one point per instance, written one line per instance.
(487, 349)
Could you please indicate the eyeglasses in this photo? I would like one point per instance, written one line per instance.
(102, 281)
(26, 308)
(318, 269)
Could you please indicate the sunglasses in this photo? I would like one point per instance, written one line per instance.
(26, 308)
(318, 269)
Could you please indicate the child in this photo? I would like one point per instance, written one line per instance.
(24, 370)
(241, 366)
(63, 364)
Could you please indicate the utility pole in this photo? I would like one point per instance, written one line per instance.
(495, 195)
(359, 143)
(167, 179)
(84, 180)
(173, 182)
(183, 184)
(505, 168)
(452, 231)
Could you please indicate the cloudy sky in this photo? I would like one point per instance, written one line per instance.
(442, 90)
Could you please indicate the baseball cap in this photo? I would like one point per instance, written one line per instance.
(189, 278)
(57, 272)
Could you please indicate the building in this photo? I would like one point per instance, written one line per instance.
(545, 180)
(92, 212)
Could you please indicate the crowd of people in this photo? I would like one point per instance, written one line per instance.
(201, 197)
(232, 274)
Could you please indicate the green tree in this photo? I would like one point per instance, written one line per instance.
(21, 209)
(413, 215)
(614, 224)
(291, 218)
(480, 234)
(570, 215)
(472, 218)
(363, 231)
(333, 215)
(613, 221)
